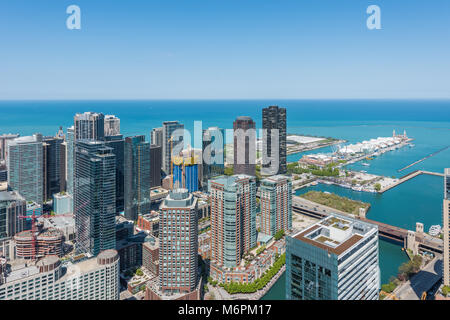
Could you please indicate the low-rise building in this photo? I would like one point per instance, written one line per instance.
(252, 269)
(148, 222)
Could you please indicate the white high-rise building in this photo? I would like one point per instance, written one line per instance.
(334, 259)
(49, 279)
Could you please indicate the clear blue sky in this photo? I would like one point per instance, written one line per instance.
(232, 49)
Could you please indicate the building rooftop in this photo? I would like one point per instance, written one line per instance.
(10, 196)
(36, 138)
(228, 181)
(179, 198)
(244, 118)
(335, 233)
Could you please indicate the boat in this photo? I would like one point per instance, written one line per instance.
(365, 164)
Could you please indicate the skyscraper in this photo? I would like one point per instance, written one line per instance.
(276, 204)
(157, 137)
(186, 169)
(117, 143)
(69, 159)
(3, 144)
(155, 165)
(213, 146)
(178, 238)
(170, 142)
(244, 146)
(233, 219)
(12, 207)
(54, 164)
(137, 177)
(89, 125)
(334, 259)
(25, 163)
(446, 227)
(274, 118)
(94, 197)
(70, 154)
(112, 125)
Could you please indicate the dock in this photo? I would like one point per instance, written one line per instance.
(410, 176)
(423, 159)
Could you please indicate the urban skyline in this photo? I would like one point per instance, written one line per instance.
(225, 150)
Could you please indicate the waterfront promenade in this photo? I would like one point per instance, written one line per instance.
(421, 282)
(222, 294)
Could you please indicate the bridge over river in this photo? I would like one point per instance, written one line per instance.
(416, 238)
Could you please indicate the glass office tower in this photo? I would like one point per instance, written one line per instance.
(94, 197)
(137, 177)
(334, 259)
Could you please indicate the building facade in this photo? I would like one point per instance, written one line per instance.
(244, 146)
(89, 125)
(91, 279)
(276, 204)
(446, 227)
(137, 177)
(157, 137)
(169, 143)
(54, 164)
(213, 147)
(112, 125)
(25, 167)
(178, 239)
(274, 117)
(69, 160)
(117, 143)
(4, 138)
(233, 219)
(155, 165)
(95, 197)
(12, 207)
(334, 259)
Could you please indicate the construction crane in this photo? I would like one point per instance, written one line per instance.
(34, 230)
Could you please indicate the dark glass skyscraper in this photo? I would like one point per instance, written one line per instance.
(155, 165)
(54, 164)
(94, 196)
(117, 142)
(213, 146)
(274, 118)
(169, 128)
(244, 146)
(137, 177)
